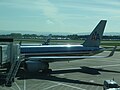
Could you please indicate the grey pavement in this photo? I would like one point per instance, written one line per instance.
(84, 74)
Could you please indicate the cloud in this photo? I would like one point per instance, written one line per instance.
(50, 11)
(50, 22)
(60, 13)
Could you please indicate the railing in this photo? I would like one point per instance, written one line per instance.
(12, 72)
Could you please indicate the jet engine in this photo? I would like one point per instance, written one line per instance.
(35, 66)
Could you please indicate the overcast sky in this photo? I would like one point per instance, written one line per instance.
(74, 16)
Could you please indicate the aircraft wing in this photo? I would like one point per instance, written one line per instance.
(54, 58)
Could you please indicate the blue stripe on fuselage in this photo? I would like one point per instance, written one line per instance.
(56, 48)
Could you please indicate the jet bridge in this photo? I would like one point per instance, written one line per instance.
(10, 59)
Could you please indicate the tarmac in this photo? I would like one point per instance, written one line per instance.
(83, 74)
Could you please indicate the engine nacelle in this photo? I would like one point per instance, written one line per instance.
(35, 66)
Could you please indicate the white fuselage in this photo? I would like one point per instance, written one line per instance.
(59, 50)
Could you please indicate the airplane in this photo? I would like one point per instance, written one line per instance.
(37, 58)
(46, 42)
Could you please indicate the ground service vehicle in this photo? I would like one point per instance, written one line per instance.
(110, 85)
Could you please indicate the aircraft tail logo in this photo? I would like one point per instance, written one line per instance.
(95, 36)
